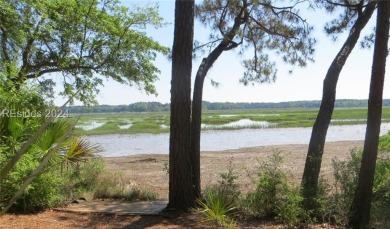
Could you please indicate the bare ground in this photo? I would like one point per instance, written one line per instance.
(148, 171)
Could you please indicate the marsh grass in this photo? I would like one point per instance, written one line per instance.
(154, 122)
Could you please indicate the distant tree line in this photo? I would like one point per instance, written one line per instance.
(159, 107)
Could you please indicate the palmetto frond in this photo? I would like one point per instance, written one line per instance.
(79, 149)
(51, 136)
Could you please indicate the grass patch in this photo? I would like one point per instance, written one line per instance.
(152, 122)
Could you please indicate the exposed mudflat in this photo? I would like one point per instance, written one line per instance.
(148, 170)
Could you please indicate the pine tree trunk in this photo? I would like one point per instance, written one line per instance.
(197, 115)
(196, 121)
(180, 182)
(359, 217)
(317, 141)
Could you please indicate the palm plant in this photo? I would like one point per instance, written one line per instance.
(56, 144)
(46, 141)
(218, 207)
(78, 149)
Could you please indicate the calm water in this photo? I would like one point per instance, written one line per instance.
(121, 145)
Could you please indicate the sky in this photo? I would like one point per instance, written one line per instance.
(303, 84)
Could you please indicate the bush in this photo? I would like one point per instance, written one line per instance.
(273, 196)
(92, 179)
(80, 180)
(33, 181)
(346, 174)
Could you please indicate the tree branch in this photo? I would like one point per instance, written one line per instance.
(52, 70)
(85, 32)
(27, 50)
(270, 31)
(4, 49)
(222, 19)
(349, 5)
(206, 44)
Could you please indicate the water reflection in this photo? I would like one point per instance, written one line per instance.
(121, 145)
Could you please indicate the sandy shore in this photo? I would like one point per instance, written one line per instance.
(148, 170)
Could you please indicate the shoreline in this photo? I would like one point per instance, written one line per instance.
(149, 170)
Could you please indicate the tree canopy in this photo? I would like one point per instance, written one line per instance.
(83, 41)
(266, 28)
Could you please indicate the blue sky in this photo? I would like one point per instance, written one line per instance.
(302, 84)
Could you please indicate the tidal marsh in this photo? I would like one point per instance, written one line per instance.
(158, 122)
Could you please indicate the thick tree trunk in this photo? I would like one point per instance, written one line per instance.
(320, 128)
(180, 182)
(359, 217)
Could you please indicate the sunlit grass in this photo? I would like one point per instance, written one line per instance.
(158, 122)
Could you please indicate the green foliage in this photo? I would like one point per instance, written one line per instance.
(80, 40)
(217, 207)
(219, 203)
(30, 180)
(81, 179)
(271, 184)
(290, 210)
(351, 10)
(219, 106)
(346, 175)
(92, 179)
(260, 27)
(42, 192)
(158, 122)
(384, 143)
(228, 183)
(273, 196)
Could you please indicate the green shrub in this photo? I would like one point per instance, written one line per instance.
(346, 174)
(384, 143)
(33, 182)
(42, 192)
(40, 195)
(273, 196)
(81, 179)
(290, 210)
(271, 185)
(228, 183)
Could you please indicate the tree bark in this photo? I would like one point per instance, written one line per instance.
(180, 182)
(317, 141)
(207, 63)
(359, 217)
(197, 116)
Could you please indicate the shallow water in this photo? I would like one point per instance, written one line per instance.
(115, 145)
(90, 126)
(242, 123)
